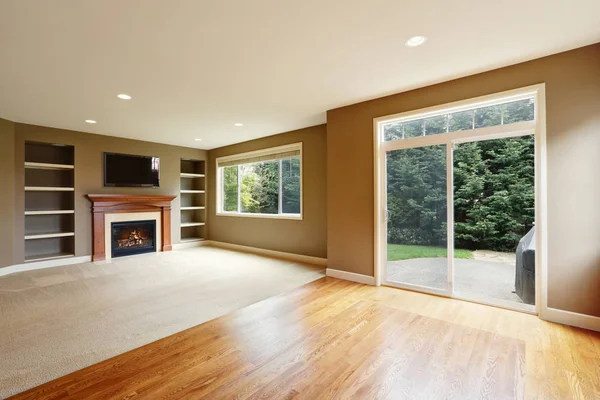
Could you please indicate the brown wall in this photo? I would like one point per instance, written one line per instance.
(306, 237)
(7, 199)
(573, 149)
(89, 176)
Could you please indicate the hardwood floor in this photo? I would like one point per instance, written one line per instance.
(338, 339)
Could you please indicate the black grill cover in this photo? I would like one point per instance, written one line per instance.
(525, 271)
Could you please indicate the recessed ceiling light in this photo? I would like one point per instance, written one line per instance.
(198, 140)
(124, 96)
(416, 41)
(238, 124)
(90, 121)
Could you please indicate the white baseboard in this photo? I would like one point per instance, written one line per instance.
(351, 276)
(571, 318)
(44, 264)
(271, 253)
(187, 245)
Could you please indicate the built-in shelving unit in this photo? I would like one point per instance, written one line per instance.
(193, 200)
(49, 201)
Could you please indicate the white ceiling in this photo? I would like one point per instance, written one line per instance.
(195, 67)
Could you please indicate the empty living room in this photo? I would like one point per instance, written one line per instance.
(299, 199)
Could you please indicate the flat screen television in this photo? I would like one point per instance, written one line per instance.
(131, 171)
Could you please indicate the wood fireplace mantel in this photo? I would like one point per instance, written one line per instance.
(128, 203)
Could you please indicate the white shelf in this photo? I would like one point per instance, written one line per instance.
(191, 239)
(48, 235)
(187, 224)
(48, 189)
(45, 257)
(187, 175)
(49, 212)
(192, 191)
(192, 208)
(37, 165)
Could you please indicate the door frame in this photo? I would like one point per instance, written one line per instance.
(537, 127)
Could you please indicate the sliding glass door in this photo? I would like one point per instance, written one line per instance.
(459, 220)
(494, 216)
(417, 246)
(457, 197)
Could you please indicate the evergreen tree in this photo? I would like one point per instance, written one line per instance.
(493, 194)
(417, 196)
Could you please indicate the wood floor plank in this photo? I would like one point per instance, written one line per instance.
(337, 339)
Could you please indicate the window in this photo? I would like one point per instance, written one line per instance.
(265, 183)
(474, 118)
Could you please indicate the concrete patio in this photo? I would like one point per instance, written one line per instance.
(488, 275)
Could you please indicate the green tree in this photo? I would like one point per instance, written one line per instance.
(469, 183)
(290, 190)
(260, 187)
(249, 185)
(230, 188)
(267, 194)
(417, 196)
(493, 193)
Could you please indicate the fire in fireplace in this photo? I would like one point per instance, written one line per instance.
(133, 237)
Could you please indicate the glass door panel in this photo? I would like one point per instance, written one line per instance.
(417, 247)
(494, 214)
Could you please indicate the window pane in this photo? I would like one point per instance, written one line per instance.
(230, 188)
(392, 132)
(413, 129)
(461, 121)
(518, 111)
(417, 219)
(488, 116)
(494, 213)
(290, 186)
(499, 114)
(260, 187)
(435, 125)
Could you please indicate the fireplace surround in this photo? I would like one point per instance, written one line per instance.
(109, 208)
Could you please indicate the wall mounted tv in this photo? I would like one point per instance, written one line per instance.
(131, 171)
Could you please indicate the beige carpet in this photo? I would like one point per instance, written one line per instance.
(58, 320)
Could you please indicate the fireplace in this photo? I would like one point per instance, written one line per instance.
(109, 208)
(133, 237)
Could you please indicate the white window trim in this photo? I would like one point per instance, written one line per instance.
(536, 127)
(240, 156)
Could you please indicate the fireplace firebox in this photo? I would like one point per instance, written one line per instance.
(133, 237)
